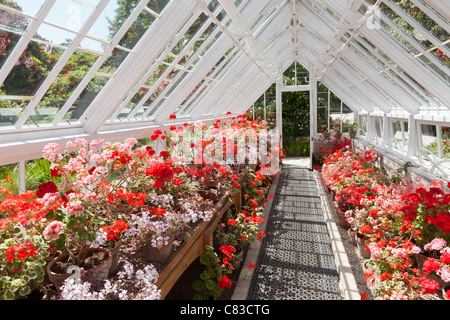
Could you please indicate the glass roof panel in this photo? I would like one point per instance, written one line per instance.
(12, 27)
(29, 7)
(71, 14)
(76, 111)
(137, 29)
(66, 82)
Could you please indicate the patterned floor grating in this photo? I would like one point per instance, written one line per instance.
(296, 261)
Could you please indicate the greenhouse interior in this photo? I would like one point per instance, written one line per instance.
(224, 150)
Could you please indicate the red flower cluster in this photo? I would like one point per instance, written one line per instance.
(135, 199)
(432, 206)
(44, 188)
(20, 251)
(115, 230)
(224, 282)
(162, 171)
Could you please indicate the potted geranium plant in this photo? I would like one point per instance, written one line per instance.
(76, 243)
(23, 256)
(351, 125)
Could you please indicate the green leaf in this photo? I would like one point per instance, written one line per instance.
(71, 224)
(204, 275)
(210, 284)
(25, 291)
(39, 278)
(9, 295)
(197, 296)
(82, 235)
(198, 285)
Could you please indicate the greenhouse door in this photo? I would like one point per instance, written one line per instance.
(295, 114)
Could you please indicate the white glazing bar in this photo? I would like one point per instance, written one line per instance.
(97, 65)
(153, 67)
(399, 56)
(22, 177)
(417, 27)
(418, 47)
(192, 58)
(25, 39)
(151, 44)
(210, 80)
(401, 74)
(432, 15)
(60, 64)
(440, 6)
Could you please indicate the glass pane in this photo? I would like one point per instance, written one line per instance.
(31, 69)
(10, 109)
(113, 61)
(362, 125)
(347, 117)
(302, 75)
(71, 14)
(429, 139)
(11, 29)
(378, 128)
(322, 119)
(29, 7)
(424, 20)
(111, 20)
(158, 5)
(335, 113)
(445, 133)
(289, 76)
(86, 97)
(137, 29)
(322, 99)
(397, 135)
(62, 88)
(190, 33)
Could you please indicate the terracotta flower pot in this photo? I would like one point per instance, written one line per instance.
(98, 273)
(153, 254)
(343, 223)
(115, 258)
(360, 243)
(420, 259)
(352, 134)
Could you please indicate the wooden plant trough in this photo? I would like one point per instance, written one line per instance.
(194, 247)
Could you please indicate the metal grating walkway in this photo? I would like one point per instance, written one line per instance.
(296, 261)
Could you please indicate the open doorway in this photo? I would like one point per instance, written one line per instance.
(296, 123)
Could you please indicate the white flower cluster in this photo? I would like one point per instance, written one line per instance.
(142, 280)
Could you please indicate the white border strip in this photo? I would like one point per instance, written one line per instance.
(347, 283)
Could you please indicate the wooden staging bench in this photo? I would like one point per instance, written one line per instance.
(195, 246)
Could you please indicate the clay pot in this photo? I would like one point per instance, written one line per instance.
(343, 223)
(115, 258)
(352, 134)
(360, 243)
(97, 273)
(420, 259)
(153, 254)
(337, 135)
